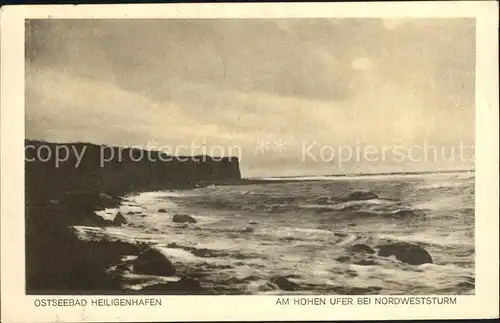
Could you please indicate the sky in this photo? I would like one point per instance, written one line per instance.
(288, 96)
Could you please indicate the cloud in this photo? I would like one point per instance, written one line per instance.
(229, 82)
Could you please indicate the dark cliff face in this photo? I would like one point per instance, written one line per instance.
(66, 183)
(54, 168)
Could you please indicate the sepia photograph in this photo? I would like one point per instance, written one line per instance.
(250, 156)
(241, 162)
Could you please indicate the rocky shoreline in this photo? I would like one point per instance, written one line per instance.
(66, 183)
(61, 259)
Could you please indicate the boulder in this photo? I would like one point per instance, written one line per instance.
(267, 287)
(252, 222)
(105, 197)
(284, 283)
(162, 211)
(362, 248)
(119, 219)
(360, 196)
(183, 218)
(406, 252)
(153, 261)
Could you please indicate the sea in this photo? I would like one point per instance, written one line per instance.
(302, 229)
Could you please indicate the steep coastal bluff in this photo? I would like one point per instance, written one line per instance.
(53, 168)
(65, 183)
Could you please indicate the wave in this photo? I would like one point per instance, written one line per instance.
(442, 185)
(346, 206)
(228, 255)
(374, 202)
(448, 203)
(373, 207)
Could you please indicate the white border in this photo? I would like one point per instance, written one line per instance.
(17, 307)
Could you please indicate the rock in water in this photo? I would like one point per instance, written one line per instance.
(362, 248)
(183, 218)
(104, 196)
(284, 284)
(406, 252)
(154, 262)
(361, 196)
(119, 219)
(267, 287)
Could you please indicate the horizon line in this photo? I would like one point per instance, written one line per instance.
(442, 171)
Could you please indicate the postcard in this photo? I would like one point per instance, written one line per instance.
(291, 161)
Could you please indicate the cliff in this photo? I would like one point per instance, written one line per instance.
(66, 183)
(54, 168)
